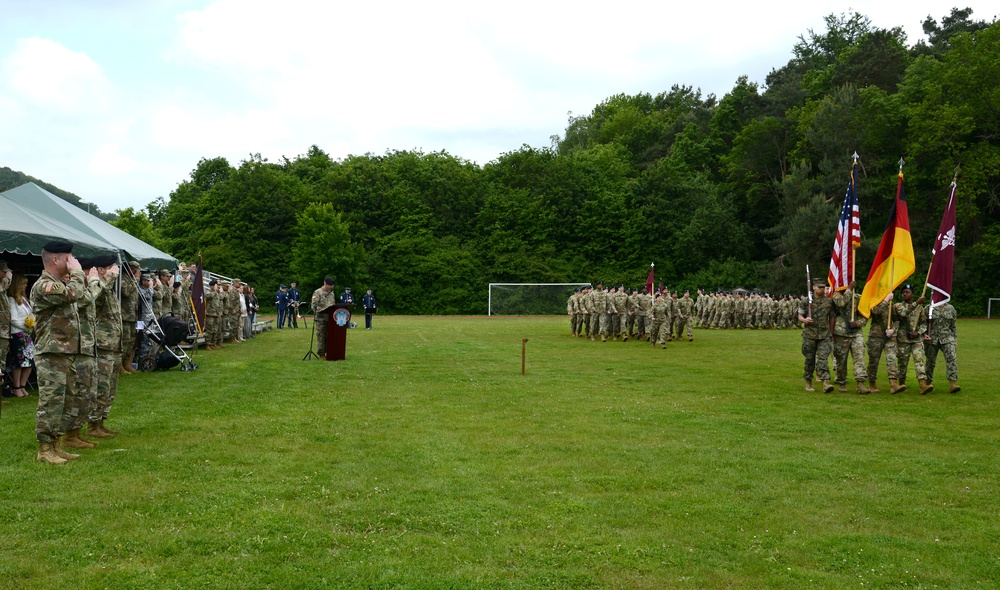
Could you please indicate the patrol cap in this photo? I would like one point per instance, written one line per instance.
(185, 271)
(3, 266)
(225, 283)
(165, 273)
(819, 282)
(58, 247)
(237, 281)
(134, 265)
(146, 277)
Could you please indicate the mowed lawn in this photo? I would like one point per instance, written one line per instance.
(426, 460)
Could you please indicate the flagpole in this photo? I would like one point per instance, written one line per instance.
(854, 290)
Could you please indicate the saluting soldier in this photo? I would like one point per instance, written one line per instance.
(109, 348)
(130, 314)
(213, 315)
(57, 342)
(84, 393)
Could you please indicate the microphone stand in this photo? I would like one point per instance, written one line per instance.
(312, 336)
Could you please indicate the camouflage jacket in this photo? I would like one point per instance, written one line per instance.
(645, 304)
(109, 318)
(4, 308)
(129, 300)
(213, 303)
(602, 302)
(57, 321)
(621, 301)
(659, 310)
(878, 316)
(911, 329)
(178, 303)
(321, 300)
(842, 314)
(943, 328)
(87, 310)
(685, 307)
(822, 312)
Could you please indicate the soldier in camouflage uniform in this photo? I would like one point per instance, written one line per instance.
(619, 318)
(322, 299)
(882, 337)
(910, 338)
(685, 314)
(162, 289)
(109, 348)
(603, 307)
(571, 310)
(57, 342)
(84, 392)
(631, 307)
(130, 310)
(658, 330)
(943, 329)
(816, 345)
(848, 338)
(643, 317)
(213, 315)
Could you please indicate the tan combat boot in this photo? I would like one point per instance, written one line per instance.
(96, 430)
(953, 387)
(47, 454)
(827, 387)
(925, 387)
(843, 388)
(872, 387)
(809, 385)
(862, 389)
(896, 387)
(62, 453)
(72, 440)
(625, 338)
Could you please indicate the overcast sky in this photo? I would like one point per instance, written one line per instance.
(117, 100)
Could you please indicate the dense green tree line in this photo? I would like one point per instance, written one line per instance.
(742, 190)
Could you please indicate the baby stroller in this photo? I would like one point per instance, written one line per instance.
(164, 352)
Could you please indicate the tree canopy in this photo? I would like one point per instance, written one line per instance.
(740, 190)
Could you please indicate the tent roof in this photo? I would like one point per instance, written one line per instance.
(48, 206)
(24, 231)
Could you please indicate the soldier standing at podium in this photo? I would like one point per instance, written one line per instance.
(322, 298)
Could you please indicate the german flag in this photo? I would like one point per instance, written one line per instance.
(894, 261)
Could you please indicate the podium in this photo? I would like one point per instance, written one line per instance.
(338, 318)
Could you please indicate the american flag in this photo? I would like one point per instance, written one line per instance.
(848, 238)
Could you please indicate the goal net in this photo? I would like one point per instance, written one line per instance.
(530, 298)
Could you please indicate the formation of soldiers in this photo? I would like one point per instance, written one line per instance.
(902, 330)
(663, 316)
(222, 312)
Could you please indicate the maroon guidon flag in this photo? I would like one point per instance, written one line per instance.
(649, 280)
(943, 262)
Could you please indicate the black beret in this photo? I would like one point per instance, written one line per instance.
(177, 284)
(907, 286)
(329, 281)
(104, 260)
(58, 247)
(213, 283)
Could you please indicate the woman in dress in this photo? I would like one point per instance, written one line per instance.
(22, 349)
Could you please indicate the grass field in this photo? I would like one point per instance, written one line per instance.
(426, 460)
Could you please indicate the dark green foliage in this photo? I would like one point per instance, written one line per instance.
(740, 191)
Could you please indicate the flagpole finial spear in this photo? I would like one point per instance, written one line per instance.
(901, 162)
(954, 179)
(856, 156)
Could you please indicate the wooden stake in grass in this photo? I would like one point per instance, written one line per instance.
(524, 346)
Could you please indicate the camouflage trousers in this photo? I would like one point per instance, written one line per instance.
(817, 353)
(599, 324)
(213, 330)
(641, 326)
(107, 384)
(950, 358)
(916, 350)
(128, 338)
(681, 325)
(321, 323)
(572, 324)
(84, 393)
(56, 379)
(855, 346)
(615, 321)
(4, 347)
(578, 321)
(875, 347)
(630, 325)
(658, 332)
(585, 324)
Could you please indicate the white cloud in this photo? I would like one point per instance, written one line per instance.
(55, 78)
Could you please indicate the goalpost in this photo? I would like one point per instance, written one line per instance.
(530, 298)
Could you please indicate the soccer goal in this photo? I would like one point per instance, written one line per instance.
(530, 298)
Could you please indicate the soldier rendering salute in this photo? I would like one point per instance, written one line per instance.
(57, 342)
(817, 320)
